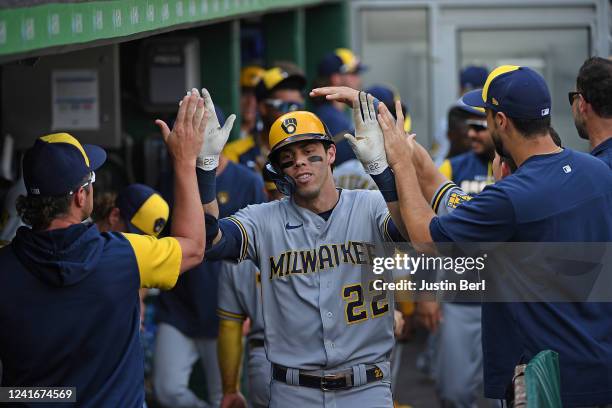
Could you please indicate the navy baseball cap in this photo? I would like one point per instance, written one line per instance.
(57, 163)
(469, 109)
(341, 61)
(384, 94)
(472, 77)
(519, 92)
(143, 209)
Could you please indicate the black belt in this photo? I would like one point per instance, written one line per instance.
(254, 343)
(331, 382)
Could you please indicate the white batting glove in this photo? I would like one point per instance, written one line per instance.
(368, 142)
(215, 136)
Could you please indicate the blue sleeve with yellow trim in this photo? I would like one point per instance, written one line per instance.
(250, 222)
(238, 235)
(488, 217)
(229, 247)
(159, 260)
(393, 233)
(240, 232)
(447, 197)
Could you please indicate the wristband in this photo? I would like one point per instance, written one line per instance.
(376, 167)
(207, 184)
(386, 184)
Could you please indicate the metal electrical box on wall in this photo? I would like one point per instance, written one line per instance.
(76, 92)
(169, 67)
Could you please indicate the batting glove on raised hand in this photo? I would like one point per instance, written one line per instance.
(368, 142)
(215, 136)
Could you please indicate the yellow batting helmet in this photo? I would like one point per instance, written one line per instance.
(293, 127)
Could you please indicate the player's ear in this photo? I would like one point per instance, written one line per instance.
(501, 120)
(80, 197)
(331, 154)
(583, 105)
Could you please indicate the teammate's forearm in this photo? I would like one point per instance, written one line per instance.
(396, 216)
(211, 208)
(187, 216)
(414, 209)
(229, 353)
(428, 175)
(207, 186)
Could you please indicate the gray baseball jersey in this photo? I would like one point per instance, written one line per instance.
(240, 295)
(316, 311)
(239, 298)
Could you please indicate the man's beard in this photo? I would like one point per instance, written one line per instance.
(308, 195)
(499, 144)
(311, 193)
(582, 132)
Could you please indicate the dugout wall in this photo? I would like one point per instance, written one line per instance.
(35, 33)
(427, 42)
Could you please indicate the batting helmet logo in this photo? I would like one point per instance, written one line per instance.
(289, 125)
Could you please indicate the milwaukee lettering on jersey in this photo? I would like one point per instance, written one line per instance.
(327, 256)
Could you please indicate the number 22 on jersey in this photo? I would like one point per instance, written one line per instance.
(357, 310)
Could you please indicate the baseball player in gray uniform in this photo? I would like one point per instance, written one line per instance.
(327, 334)
(240, 298)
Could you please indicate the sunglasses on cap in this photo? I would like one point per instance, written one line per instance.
(284, 106)
(91, 180)
(476, 125)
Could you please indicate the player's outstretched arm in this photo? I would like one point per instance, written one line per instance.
(184, 142)
(342, 94)
(415, 210)
(430, 178)
(368, 146)
(215, 138)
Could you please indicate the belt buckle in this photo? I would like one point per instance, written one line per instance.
(348, 381)
(324, 379)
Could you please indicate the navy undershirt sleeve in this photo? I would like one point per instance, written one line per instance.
(229, 246)
(394, 232)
